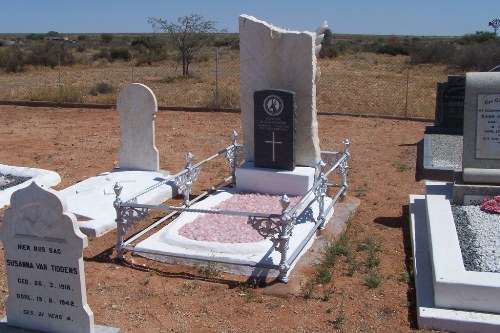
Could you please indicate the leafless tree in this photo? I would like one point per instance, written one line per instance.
(188, 35)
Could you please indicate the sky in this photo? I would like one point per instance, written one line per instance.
(377, 17)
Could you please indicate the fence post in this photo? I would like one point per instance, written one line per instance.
(217, 55)
(407, 86)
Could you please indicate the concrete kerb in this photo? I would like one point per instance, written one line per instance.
(434, 282)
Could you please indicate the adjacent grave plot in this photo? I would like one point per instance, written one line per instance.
(441, 147)
(44, 264)
(91, 200)
(287, 233)
(13, 178)
(441, 157)
(457, 289)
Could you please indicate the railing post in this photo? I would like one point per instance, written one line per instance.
(120, 222)
(286, 226)
(344, 167)
(234, 161)
(320, 193)
(189, 180)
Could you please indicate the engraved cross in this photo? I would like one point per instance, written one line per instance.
(273, 142)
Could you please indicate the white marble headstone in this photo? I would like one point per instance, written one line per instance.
(481, 151)
(137, 106)
(44, 261)
(275, 58)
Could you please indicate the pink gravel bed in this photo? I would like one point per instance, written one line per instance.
(234, 229)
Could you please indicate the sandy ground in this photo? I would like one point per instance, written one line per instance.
(138, 295)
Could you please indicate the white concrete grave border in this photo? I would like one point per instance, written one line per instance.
(244, 255)
(44, 178)
(448, 296)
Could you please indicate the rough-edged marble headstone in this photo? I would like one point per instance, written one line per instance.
(274, 129)
(137, 106)
(44, 262)
(275, 58)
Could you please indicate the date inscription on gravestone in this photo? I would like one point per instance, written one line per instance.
(274, 129)
(43, 253)
(488, 126)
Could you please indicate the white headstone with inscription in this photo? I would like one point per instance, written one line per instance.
(43, 251)
(137, 106)
(481, 154)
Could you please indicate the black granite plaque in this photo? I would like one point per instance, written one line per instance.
(274, 129)
(449, 115)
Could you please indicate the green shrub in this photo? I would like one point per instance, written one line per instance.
(478, 37)
(106, 38)
(438, 52)
(120, 53)
(101, 88)
(372, 280)
(394, 48)
(35, 36)
(102, 54)
(12, 60)
(50, 54)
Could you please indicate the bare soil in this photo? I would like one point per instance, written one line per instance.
(139, 295)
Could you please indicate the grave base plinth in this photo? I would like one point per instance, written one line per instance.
(272, 181)
(467, 193)
(5, 328)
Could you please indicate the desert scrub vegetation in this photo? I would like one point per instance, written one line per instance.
(355, 259)
(359, 74)
(479, 51)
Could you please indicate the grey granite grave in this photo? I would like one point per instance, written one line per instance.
(480, 176)
(44, 262)
(449, 113)
(441, 157)
(274, 129)
(441, 147)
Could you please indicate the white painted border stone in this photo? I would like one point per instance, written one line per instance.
(430, 316)
(272, 181)
(44, 178)
(454, 287)
(168, 241)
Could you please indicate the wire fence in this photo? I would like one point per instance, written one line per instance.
(363, 83)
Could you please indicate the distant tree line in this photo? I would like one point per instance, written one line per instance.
(479, 51)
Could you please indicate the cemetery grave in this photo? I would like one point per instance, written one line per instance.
(180, 297)
(132, 292)
(457, 278)
(442, 143)
(282, 158)
(91, 200)
(13, 178)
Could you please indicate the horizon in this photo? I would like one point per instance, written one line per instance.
(358, 17)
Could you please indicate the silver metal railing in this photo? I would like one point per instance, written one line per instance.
(129, 212)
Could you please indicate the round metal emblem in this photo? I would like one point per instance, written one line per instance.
(273, 105)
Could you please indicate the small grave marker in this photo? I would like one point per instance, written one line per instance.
(137, 106)
(44, 261)
(274, 129)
